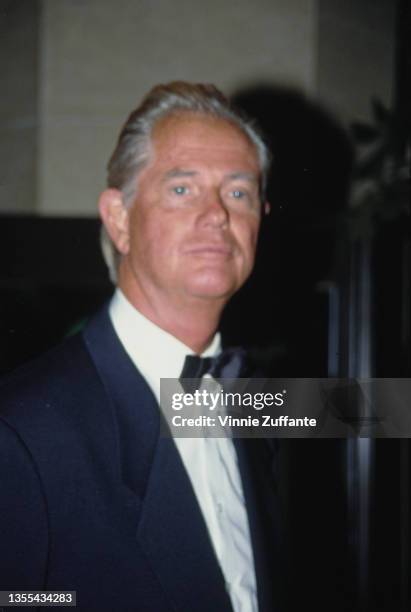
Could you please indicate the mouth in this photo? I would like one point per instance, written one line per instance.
(211, 251)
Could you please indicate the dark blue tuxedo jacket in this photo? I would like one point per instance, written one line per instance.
(92, 499)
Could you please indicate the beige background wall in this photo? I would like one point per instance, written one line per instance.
(19, 113)
(75, 68)
(100, 57)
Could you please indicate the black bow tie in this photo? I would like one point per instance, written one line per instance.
(231, 363)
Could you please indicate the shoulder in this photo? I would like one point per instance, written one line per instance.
(52, 373)
(53, 412)
(47, 398)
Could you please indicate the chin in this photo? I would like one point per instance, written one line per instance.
(213, 287)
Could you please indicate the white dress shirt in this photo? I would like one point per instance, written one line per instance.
(211, 463)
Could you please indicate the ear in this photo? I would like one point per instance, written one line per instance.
(266, 208)
(115, 217)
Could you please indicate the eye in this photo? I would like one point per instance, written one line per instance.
(238, 194)
(243, 198)
(180, 190)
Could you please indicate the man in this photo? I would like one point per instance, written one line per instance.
(93, 499)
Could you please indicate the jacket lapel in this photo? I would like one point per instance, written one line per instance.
(174, 535)
(170, 526)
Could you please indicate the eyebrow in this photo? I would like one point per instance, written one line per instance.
(247, 176)
(178, 173)
(181, 173)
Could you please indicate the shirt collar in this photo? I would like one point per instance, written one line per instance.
(156, 353)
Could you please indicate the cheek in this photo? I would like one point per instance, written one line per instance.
(144, 231)
(157, 240)
(247, 235)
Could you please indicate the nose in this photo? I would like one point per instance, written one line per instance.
(214, 211)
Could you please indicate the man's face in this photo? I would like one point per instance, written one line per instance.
(192, 228)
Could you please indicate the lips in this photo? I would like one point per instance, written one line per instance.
(211, 251)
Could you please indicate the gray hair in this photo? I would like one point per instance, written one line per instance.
(133, 148)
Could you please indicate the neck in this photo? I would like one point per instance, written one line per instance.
(191, 328)
(194, 323)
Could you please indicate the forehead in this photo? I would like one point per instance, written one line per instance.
(194, 138)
